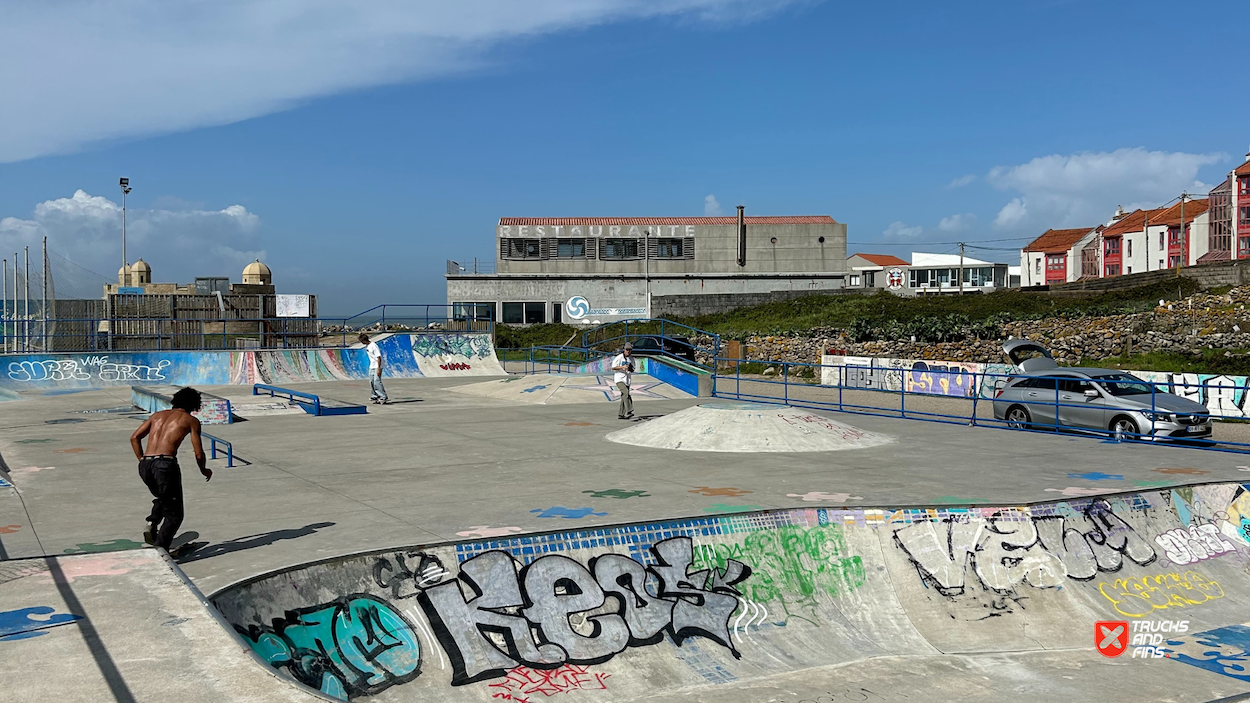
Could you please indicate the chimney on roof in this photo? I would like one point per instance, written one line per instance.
(1248, 155)
(1119, 214)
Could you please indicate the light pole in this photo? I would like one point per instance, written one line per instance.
(646, 255)
(125, 186)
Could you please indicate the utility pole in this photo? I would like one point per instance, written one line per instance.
(1184, 237)
(26, 300)
(44, 330)
(4, 307)
(961, 268)
(646, 255)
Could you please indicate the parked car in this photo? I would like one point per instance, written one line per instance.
(1044, 394)
(655, 345)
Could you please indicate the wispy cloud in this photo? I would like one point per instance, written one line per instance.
(961, 181)
(128, 68)
(899, 230)
(179, 243)
(958, 223)
(711, 206)
(1083, 189)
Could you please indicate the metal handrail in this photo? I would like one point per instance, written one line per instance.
(274, 391)
(212, 448)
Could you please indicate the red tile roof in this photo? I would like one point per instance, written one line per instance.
(1172, 216)
(1212, 256)
(1133, 222)
(1244, 169)
(732, 220)
(1054, 241)
(882, 259)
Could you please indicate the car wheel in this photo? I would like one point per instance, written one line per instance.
(1124, 429)
(1018, 418)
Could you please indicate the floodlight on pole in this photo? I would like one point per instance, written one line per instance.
(125, 186)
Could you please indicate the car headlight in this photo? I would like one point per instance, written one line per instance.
(1158, 416)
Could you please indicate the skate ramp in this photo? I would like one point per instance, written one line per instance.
(937, 603)
(554, 389)
(747, 427)
(405, 356)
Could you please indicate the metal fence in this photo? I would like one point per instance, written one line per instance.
(232, 330)
(980, 399)
(546, 359)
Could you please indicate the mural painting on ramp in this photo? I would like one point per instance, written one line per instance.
(737, 597)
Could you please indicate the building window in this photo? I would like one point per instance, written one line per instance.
(1128, 247)
(1160, 240)
(1174, 261)
(1112, 270)
(570, 248)
(870, 279)
(524, 313)
(854, 280)
(1244, 183)
(921, 277)
(1037, 268)
(1129, 269)
(557, 313)
(522, 249)
(1113, 246)
(1056, 262)
(1245, 215)
(473, 311)
(1160, 263)
(669, 249)
(1243, 247)
(619, 249)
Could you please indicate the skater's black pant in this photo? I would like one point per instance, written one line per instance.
(164, 479)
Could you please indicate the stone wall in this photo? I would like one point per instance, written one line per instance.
(694, 305)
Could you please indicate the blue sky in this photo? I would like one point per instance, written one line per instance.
(355, 148)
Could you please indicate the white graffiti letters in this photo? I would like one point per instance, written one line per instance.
(49, 370)
(61, 370)
(557, 611)
(1197, 543)
(133, 372)
(1039, 551)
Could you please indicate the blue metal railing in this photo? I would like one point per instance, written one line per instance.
(110, 335)
(293, 396)
(614, 334)
(212, 448)
(549, 359)
(841, 388)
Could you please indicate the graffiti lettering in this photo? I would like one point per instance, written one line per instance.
(492, 630)
(133, 372)
(455, 366)
(355, 645)
(1039, 551)
(471, 346)
(938, 379)
(49, 370)
(1198, 543)
(1138, 597)
(415, 572)
(792, 566)
(73, 370)
(522, 682)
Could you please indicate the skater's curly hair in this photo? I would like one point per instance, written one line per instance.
(188, 399)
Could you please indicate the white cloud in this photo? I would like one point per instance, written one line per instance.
(958, 222)
(898, 230)
(1084, 189)
(961, 181)
(711, 206)
(86, 71)
(179, 244)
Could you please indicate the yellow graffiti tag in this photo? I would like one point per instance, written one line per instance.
(1138, 597)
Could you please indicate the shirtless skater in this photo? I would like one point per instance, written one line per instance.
(158, 466)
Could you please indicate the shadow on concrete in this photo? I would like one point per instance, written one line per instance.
(104, 661)
(260, 540)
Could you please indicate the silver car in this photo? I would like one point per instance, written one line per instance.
(1044, 395)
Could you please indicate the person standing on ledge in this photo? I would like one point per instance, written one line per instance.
(623, 365)
(158, 464)
(377, 392)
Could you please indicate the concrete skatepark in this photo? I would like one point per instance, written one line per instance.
(472, 543)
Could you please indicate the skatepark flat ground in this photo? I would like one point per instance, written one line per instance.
(440, 466)
(437, 465)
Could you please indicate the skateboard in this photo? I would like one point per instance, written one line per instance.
(184, 544)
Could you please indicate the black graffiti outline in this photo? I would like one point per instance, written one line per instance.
(538, 650)
(429, 572)
(1101, 547)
